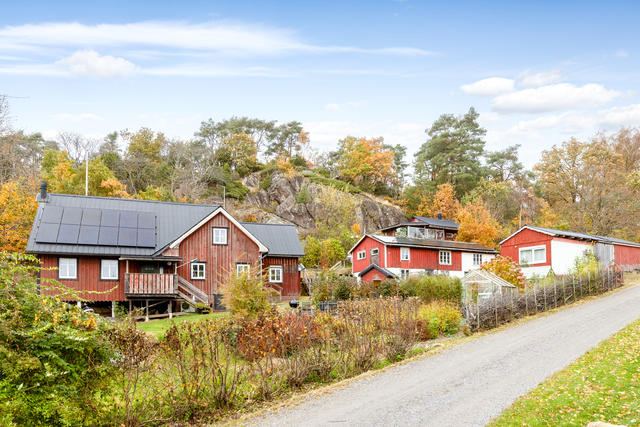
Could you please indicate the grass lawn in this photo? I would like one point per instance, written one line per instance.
(602, 385)
(158, 327)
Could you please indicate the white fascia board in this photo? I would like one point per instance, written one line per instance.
(261, 247)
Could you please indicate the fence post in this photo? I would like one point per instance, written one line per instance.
(544, 295)
(535, 297)
(564, 293)
(580, 282)
(526, 300)
(478, 312)
(495, 309)
(555, 292)
(573, 283)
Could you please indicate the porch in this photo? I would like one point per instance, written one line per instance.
(162, 286)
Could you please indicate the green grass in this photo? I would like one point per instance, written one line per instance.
(602, 385)
(160, 326)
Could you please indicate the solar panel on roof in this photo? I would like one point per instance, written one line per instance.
(128, 219)
(146, 238)
(108, 236)
(68, 233)
(146, 220)
(52, 214)
(88, 235)
(127, 236)
(91, 217)
(47, 233)
(72, 216)
(109, 218)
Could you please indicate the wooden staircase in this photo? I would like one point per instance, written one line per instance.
(188, 292)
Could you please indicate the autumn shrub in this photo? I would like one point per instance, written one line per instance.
(440, 318)
(55, 362)
(245, 295)
(389, 288)
(432, 288)
(506, 269)
(586, 264)
(322, 253)
(332, 287)
(304, 196)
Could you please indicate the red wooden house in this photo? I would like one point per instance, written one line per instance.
(540, 250)
(112, 249)
(422, 246)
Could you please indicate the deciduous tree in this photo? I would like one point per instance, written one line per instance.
(17, 210)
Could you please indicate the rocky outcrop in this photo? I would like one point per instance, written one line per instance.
(280, 199)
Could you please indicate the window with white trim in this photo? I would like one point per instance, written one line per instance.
(109, 269)
(198, 271)
(405, 254)
(219, 236)
(375, 251)
(404, 273)
(444, 257)
(67, 268)
(533, 255)
(243, 268)
(275, 274)
(477, 259)
(361, 254)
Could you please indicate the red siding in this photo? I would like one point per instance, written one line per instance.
(372, 275)
(526, 238)
(367, 244)
(423, 259)
(220, 259)
(627, 255)
(291, 276)
(88, 278)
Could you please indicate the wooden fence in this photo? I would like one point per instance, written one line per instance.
(538, 297)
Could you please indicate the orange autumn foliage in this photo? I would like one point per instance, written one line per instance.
(443, 202)
(17, 209)
(477, 225)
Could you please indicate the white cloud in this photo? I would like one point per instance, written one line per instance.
(77, 117)
(230, 38)
(621, 53)
(340, 107)
(556, 97)
(489, 87)
(528, 79)
(628, 115)
(90, 63)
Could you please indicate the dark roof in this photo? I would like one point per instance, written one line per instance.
(435, 222)
(171, 221)
(280, 239)
(380, 269)
(577, 235)
(432, 243)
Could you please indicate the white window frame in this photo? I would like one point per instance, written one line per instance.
(273, 270)
(361, 255)
(110, 263)
(405, 254)
(533, 250)
(375, 251)
(64, 272)
(243, 267)
(198, 271)
(447, 257)
(477, 259)
(217, 233)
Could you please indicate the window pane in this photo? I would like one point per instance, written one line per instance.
(540, 255)
(109, 269)
(525, 256)
(67, 268)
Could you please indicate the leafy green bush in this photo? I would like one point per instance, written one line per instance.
(431, 288)
(265, 183)
(389, 288)
(245, 295)
(304, 196)
(335, 183)
(440, 318)
(586, 264)
(54, 360)
(322, 253)
(331, 287)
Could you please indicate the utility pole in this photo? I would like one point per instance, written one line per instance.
(224, 197)
(86, 172)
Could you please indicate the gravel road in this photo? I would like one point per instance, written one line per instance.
(470, 383)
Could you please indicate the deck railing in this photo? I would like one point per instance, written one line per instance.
(150, 284)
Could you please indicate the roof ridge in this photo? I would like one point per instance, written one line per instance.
(266, 223)
(82, 196)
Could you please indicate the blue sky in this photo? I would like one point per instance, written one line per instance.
(538, 73)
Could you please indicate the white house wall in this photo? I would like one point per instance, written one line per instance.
(564, 254)
(467, 261)
(540, 270)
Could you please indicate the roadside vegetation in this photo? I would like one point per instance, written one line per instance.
(602, 385)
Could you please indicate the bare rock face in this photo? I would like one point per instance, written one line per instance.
(280, 199)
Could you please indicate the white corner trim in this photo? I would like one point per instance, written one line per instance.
(261, 246)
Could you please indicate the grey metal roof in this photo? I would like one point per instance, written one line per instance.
(435, 222)
(172, 220)
(280, 239)
(583, 236)
(432, 243)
